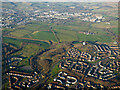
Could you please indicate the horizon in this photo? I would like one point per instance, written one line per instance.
(59, 1)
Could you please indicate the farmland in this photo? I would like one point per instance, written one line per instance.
(68, 32)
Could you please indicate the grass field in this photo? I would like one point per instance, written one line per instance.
(20, 33)
(65, 32)
(111, 9)
(23, 30)
(114, 24)
(77, 25)
(99, 38)
(55, 70)
(7, 29)
(27, 51)
(64, 35)
(12, 41)
(101, 25)
(37, 26)
(31, 47)
(17, 42)
(44, 35)
(115, 30)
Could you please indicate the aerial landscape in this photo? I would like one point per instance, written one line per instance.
(60, 45)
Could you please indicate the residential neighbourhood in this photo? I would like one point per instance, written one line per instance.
(13, 17)
(78, 62)
(31, 79)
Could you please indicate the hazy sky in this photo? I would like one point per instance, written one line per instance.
(61, 0)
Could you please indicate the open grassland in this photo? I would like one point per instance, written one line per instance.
(44, 35)
(33, 26)
(23, 30)
(17, 42)
(66, 35)
(27, 51)
(98, 31)
(7, 29)
(111, 9)
(102, 10)
(19, 33)
(65, 32)
(12, 41)
(77, 25)
(99, 38)
(55, 70)
(115, 30)
(114, 23)
(62, 27)
(29, 48)
(101, 25)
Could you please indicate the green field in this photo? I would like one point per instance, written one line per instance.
(99, 38)
(27, 51)
(115, 30)
(64, 32)
(33, 26)
(23, 30)
(77, 25)
(64, 35)
(44, 35)
(20, 33)
(55, 70)
(17, 42)
(31, 47)
(100, 25)
(12, 41)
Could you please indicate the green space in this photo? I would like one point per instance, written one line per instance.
(55, 70)
(114, 23)
(64, 35)
(77, 25)
(7, 29)
(44, 35)
(12, 41)
(102, 10)
(99, 38)
(101, 25)
(98, 31)
(114, 30)
(20, 33)
(65, 32)
(17, 42)
(22, 30)
(27, 51)
(35, 26)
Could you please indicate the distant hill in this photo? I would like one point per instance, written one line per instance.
(60, 0)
